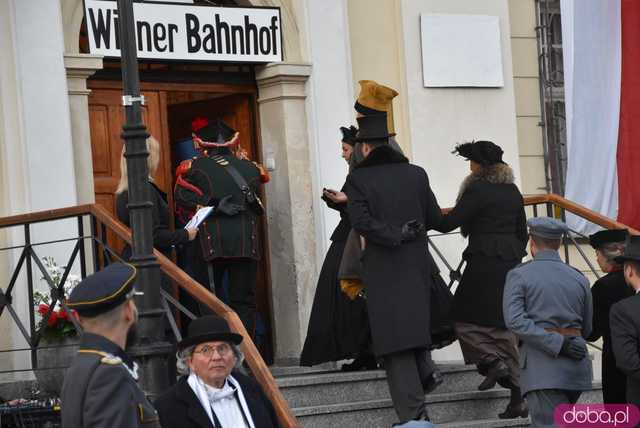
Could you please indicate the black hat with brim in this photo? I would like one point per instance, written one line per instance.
(631, 251)
(210, 328)
(483, 152)
(598, 239)
(373, 127)
(104, 290)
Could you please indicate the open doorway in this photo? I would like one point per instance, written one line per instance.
(168, 113)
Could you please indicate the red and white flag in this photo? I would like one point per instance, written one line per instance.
(601, 48)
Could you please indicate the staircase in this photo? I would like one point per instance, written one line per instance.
(325, 398)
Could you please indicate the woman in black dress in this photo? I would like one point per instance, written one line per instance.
(606, 291)
(164, 239)
(337, 323)
(490, 212)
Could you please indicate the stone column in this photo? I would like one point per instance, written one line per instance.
(289, 200)
(79, 68)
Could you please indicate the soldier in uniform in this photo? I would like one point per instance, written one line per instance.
(100, 388)
(229, 237)
(547, 304)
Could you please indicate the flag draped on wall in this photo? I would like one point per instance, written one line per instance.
(601, 48)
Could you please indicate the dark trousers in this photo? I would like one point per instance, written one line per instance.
(239, 292)
(543, 402)
(406, 372)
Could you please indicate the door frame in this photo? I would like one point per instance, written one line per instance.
(218, 88)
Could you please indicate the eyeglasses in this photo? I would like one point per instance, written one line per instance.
(207, 351)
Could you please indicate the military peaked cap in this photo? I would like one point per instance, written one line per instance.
(547, 227)
(603, 237)
(104, 290)
(214, 134)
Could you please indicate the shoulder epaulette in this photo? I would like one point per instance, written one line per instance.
(106, 357)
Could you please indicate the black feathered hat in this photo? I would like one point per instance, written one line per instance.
(485, 153)
(348, 134)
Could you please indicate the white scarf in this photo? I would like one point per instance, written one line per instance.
(223, 402)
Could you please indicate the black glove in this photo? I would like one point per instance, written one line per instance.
(573, 349)
(225, 206)
(412, 230)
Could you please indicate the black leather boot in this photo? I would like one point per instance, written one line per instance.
(498, 370)
(515, 410)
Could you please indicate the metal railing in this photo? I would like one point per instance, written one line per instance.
(103, 229)
(550, 205)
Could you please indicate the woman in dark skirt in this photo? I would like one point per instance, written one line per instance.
(337, 323)
(606, 291)
(490, 212)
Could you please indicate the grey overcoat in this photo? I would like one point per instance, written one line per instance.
(547, 293)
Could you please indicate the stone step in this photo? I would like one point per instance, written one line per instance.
(325, 388)
(457, 409)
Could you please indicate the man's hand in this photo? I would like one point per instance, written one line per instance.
(192, 232)
(225, 206)
(573, 349)
(412, 230)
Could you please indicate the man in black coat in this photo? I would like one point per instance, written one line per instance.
(625, 322)
(391, 205)
(229, 241)
(607, 291)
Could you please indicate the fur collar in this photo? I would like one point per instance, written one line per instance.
(382, 155)
(499, 173)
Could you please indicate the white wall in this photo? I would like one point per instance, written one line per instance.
(36, 156)
(440, 118)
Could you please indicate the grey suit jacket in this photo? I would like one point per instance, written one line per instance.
(547, 293)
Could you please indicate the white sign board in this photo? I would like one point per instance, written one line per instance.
(189, 32)
(461, 51)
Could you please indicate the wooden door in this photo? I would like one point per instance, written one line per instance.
(106, 117)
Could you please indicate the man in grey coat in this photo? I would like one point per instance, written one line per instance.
(547, 304)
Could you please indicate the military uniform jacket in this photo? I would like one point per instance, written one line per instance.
(221, 236)
(547, 293)
(625, 338)
(100, 389)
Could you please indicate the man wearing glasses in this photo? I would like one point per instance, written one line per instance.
(213, 392)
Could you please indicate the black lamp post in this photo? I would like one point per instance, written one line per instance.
(150, 347)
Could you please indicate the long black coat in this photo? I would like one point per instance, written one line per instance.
(338, 325)
(180, 408)
(624, 319)
(490, 211)
(607, 291)
(384, 192)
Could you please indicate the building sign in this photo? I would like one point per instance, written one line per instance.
(188, 32)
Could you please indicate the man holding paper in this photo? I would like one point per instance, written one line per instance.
(229, 233)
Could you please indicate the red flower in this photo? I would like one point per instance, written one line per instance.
(62, 314)
(53, 319)
(75, 314)
(199, 123)
(43, 308)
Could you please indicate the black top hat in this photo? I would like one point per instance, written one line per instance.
(215, 134)
(104, 290)
(598, 239)
(208, 329)
(484, 152)
(348, 134)
(373, 127)
(631, 251)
